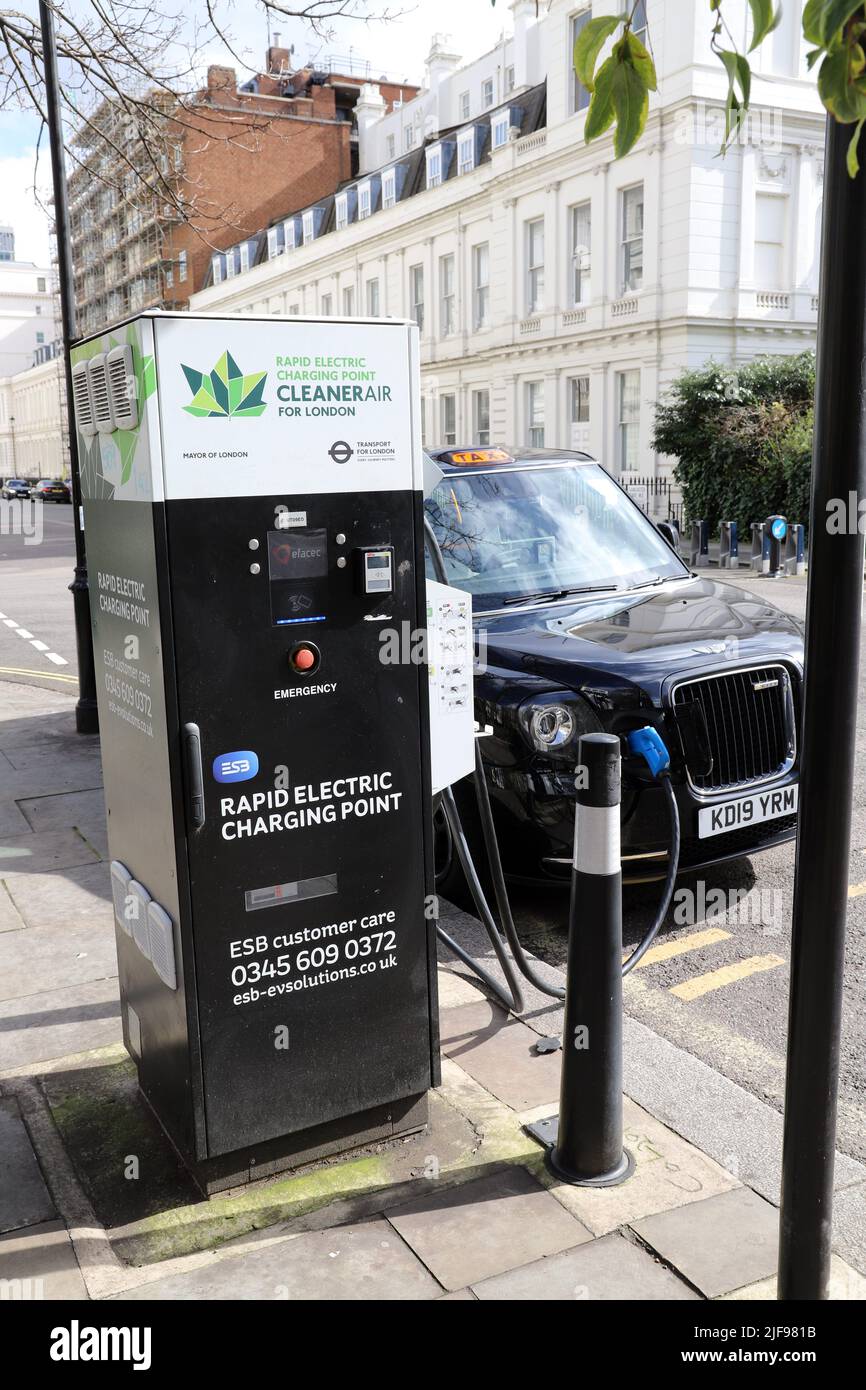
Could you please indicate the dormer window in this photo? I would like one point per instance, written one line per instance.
(365, 200)
(466, 152)
(244, 252)
(389, 188)
(275, 242)
(290, 234)
(341, 203)
(434, 166)
(216, 263)
(500, 126)
(309, 225)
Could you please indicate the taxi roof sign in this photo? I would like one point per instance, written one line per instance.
(468, 456)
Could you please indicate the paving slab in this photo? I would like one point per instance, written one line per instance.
(362, 1262)
(669, 1172)
(461, 1296)
(59, 1022)
(63, 809)
(845, 1283)
(12, 819)
(499, 1052)
(469, 1233)
(24, 1198)
(454, 991)
(720, 1244)
(76, 895)
(39, 1263)
(10, 917)
(849, 1224)
(76, 951)
(611, 1269)
(44, 852)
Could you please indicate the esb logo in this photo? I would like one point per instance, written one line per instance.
(236, 767)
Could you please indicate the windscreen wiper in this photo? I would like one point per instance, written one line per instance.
(551, 595)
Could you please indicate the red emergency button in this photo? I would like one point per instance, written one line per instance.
(304, 658)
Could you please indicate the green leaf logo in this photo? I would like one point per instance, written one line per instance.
(225, 391)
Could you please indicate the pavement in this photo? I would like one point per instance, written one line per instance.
(94, 1206)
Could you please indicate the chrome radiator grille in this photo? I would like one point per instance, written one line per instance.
(750, 725)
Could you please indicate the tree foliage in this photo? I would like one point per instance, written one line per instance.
(835, 29)
(742, 438)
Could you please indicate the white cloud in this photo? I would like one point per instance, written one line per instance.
(18, 206)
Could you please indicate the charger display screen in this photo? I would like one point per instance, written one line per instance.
(297, 554)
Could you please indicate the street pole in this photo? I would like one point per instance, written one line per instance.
(86, 717)
(828, 738)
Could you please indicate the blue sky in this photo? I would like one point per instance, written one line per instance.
(397, 48)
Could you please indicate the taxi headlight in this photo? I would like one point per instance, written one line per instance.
(553, 723)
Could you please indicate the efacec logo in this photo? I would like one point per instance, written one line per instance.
(77, 1343)
(225, 392)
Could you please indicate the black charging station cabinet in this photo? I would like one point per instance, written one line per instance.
(252, 503)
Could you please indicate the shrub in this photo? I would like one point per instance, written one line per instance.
(741, 438)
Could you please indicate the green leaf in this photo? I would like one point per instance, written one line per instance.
(844, 99)
(812, 15)
(589, 44)
(600, 115)
(812, 57)
(631, 104)
(739, 76)
(642, 61)
(853, 160)
(765, 18)
(823, 20)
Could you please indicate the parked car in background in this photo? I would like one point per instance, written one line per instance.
(588, 620)
(52, 490)
(16, 489)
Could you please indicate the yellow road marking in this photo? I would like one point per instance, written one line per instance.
(43, 675)
(681, 944)
(717, 979)
(856, 890)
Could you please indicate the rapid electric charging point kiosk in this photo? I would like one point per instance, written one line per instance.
(252, 494)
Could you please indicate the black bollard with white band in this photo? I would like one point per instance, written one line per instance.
(586, 1142)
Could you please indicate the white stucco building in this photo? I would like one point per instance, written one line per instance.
(28, 325)
(31, 423)
(559, 290)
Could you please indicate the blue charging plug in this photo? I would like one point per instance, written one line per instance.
(648, 744)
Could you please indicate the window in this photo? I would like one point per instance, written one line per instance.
(509, 78)
(274, 247)
(447, 302)
(464, 106)
(289, 234)
(390, 146)
(348, 301)
(535, 414)
(448, 420)
(581, 241)
(434, 166)
(638, 22)
(416, 294)
(294, 309)
(579, 94)
(169, 277)
(40, 337)
(631, 255)
(534, 265)
(373, 299)
(231, 263)
(308, 226)
(487, 93)
(245, 255)
(389, 188)
(481, 417)
(216, 264)
(481, 285)
(423, 421)
(579, 394)
(628, 419)
(409, 138)
(40, 284)
(341, 205)
(364, 201)
(182, 268)
(38, 308)
(327, 303)
(770, 217)
(500, 126)
(466, 152)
